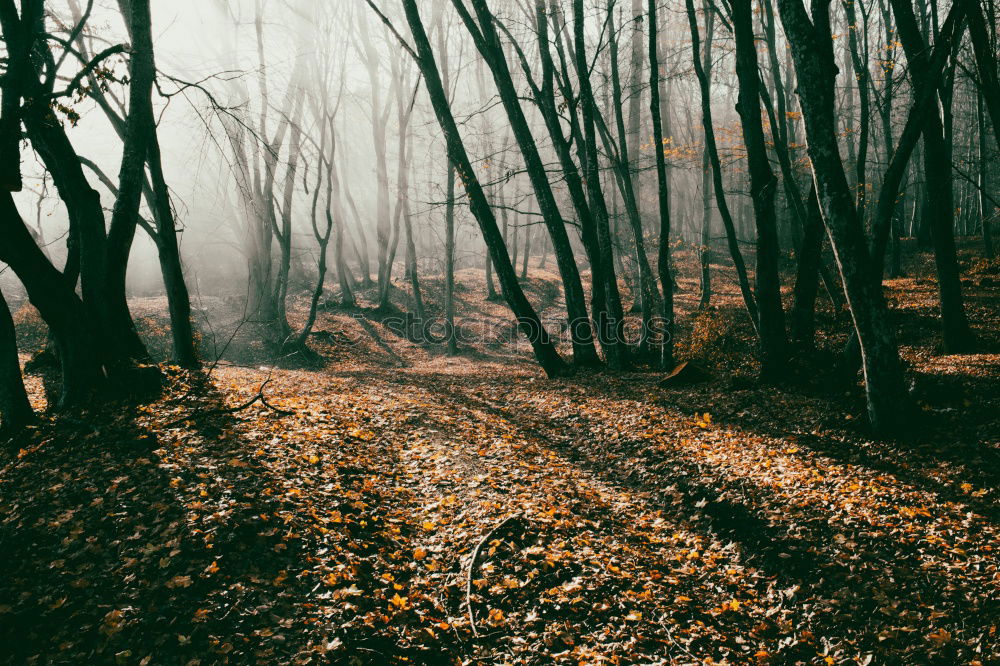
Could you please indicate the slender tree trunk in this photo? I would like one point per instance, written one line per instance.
(413, 274)
(527, 253)
(705, 251)
(663, 260)
(859, 60)
(649, 295)
(763, 186)
(284, 233)
(379, 117)
(362, 250)
(168, 251)
(449, 211)
(713, 152)
(488, 43)
(982, 33)
(449, 261)
(633, 136)
(491, 290)
(343, 271)
(957, 335)
(803, 314)
(527, 318)
(592, 214)
(986, 207)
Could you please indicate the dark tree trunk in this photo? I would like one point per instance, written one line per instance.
(812, 48)
(957, 335)
(488, 43)
(449, 262)
(803, 314)
(491, 290)
(981, 34)
(627, 179)
(763, 186)
(985, 205)
(611, 326)
(15, 410)
(592, 215)
(168, 252)
(58, 305)
(527, 318)
(705, 252)
(117, 320)
(859, 62)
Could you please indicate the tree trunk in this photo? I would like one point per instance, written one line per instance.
(705, 252)
(527, 253)
(527, 319)
(713, 152)
(449, 261)
(763, 186)
(985, 205)
(633, 137)
(803, 314)
(592, 215)
(957, 335)
(57, 303)
(379, 118)
(663, 258)
(981, 34)
(488, 43)
(15, 410)
(343, 272)
(812, 50)
(859, 61)
(649, 292)
(362, 251)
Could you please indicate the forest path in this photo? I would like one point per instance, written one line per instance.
(645, 518)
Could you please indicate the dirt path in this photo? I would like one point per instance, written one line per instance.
(655, 532)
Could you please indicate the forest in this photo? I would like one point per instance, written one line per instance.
(473, 332)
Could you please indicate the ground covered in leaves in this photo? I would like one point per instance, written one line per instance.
(610, 521)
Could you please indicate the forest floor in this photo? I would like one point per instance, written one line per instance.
(619, 522)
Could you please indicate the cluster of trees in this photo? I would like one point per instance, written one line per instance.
(602, 132)
(859, 212)
(84, 303)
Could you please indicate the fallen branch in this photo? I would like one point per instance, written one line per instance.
(475, 559)
(259, 397)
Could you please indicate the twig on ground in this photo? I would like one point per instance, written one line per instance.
(472, 566)
(259, 397)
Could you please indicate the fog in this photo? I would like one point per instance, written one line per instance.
(211, 73)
